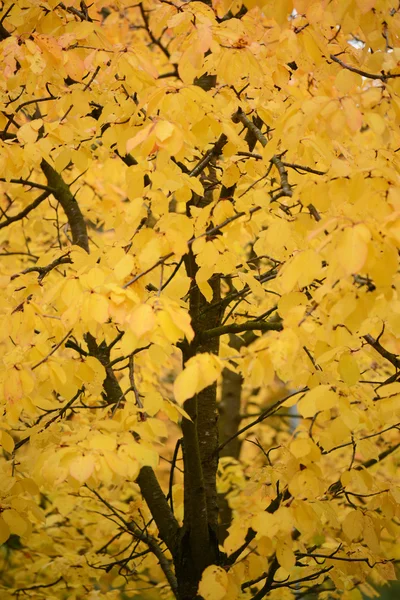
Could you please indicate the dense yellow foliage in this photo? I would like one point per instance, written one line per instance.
(175, 173)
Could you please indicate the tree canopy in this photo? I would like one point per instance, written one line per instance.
(200, 299)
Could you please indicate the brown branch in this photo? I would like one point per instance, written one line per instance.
(373, 461)
(36, 587)
(392, 358)
(310, 577)
(268, 582)
(81, 14)
(89, 83)
(60, 414)
(113, 393)
(145, 538)
(62, 193)
(56, 347)
(26, 211)
(36, 101)
(4, 33)
(283, 175)
(207, 233)
(147, 480)
(4, 135)
(264, 415)
(158, 505)
(212, 153)
(43, 271)
(131, 365)
(382, 77)
(155, 41)
(366, 437)
(239, 328)
(296, 167)
(240, 117)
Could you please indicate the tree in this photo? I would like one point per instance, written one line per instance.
(199, 231)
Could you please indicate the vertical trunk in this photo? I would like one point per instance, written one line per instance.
(198, 546)
(229, 421)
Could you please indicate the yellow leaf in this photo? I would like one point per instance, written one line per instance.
(301, 270)
(370, 535)
(185, 384)
(16, 523)
(200, 371)
(352, 249)
(346, 81)
(98, 308)
(27, 134)
(142, 320)
(387, 571)
(30, 486)
(168, 327)
(306, 520)
(202, 277)
(7, 441)
(74, 66)
(124, 267)
(317, 399)
(214, 583)
(300, 447)
(285, 556)
(348, 369)
(4, 531)
(142, 135)
(305, 484)
(353, 524)
(153, 402)
(94, 278)
(135, 182)
(144, 455)
(376, 122)
(164, 130)
(102, 442)
(117, 464)
(265, 524)
(82, 468)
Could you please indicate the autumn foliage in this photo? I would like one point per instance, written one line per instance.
(200, 299)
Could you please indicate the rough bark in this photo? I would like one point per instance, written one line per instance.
(70, 206)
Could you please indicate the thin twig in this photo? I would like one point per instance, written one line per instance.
(240, 117)
(264, 415)
(392, 358)
(21, 215)
(381, 77)
(43, 271)
(60, 414)
(52, 351)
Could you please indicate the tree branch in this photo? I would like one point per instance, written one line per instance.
(33, 184)
(239, 328)
(60, 414)
(147, 480)
(381, 77)
(62, 193)
(43, 271)
(155, 41)
(240, 117)
(264, 415)
(52, 351)
(392, 358)
(145, 538)
(158, 505)
(212, 153)
(21, 215)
